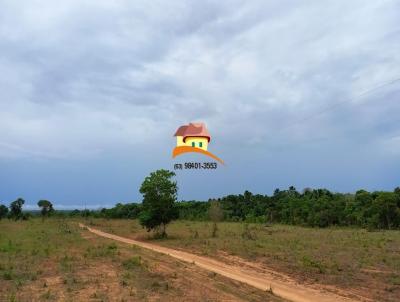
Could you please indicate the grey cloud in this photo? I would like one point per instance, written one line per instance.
(81, 76)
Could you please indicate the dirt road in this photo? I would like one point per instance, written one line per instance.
(283, 287)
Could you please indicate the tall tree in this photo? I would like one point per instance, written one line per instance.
(159, 196)
(3, 211)
(385, 212)
(16, 209)
(46, 207)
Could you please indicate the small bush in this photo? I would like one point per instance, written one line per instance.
(132, 263)
(109, 250)
(112, 246)
(7, 275)
(247, 233)
(311, 263)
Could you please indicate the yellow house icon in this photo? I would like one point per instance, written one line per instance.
(193, 135)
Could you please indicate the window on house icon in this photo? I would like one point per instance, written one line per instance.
(193, 144)
(201, 144)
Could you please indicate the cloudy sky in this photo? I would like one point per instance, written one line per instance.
(303, 93)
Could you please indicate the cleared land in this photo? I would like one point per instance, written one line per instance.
(280, 285)
(355, 262)
(55, 260)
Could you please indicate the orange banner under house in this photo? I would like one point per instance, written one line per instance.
(187, 149)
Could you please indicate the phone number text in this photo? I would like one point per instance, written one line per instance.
(196, 165)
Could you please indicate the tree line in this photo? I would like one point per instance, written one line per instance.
(311, 207)
(316, 208)
(15, 212)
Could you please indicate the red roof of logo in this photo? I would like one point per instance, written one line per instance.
(193, 130)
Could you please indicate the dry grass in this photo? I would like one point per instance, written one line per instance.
(352, 259)
(54, 260)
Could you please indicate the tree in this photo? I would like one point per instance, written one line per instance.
(46, 207)
(129, 210)
(385, 213)
(363, 207)
(16, 209)
(159, 197)
(216, 214)
(3, 211)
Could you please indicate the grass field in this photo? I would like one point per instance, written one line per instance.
(54, 260)
(366, 263)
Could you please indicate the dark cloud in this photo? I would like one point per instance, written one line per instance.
(83, 80)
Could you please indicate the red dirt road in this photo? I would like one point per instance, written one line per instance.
(283, 287)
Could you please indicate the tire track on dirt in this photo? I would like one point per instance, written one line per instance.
(285, 288)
